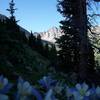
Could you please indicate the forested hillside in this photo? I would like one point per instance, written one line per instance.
(16, 56)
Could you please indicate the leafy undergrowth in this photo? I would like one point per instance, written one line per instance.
(18, 59)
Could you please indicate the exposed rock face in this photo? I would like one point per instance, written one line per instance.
(96, 30)
(55, 32)
(50, 34)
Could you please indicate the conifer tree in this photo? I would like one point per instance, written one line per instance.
(39, 44)
(53, 54)
(46, 52)
(32, 41)
(74, 45)
(12, 23)
(69, 41)
(12, 10)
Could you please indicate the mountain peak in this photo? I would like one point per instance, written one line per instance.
(51, 34)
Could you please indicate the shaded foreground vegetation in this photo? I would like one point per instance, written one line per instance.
(47, 88)
(29, 58)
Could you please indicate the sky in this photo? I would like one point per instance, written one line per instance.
(35, 15)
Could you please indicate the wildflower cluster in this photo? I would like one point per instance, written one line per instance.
(47, 89)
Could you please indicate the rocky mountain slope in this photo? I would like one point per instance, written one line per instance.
(55, 32)
(50, 34)
(17, 58)
(27, 33)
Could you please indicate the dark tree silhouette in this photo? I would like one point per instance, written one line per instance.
(39, 44)
(74, 45)
(69, 42)
(32, 41)
(53, 54)
(46, 50)
(12, 23)
(12, 10)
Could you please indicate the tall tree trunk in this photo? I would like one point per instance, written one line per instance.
(81, 20)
